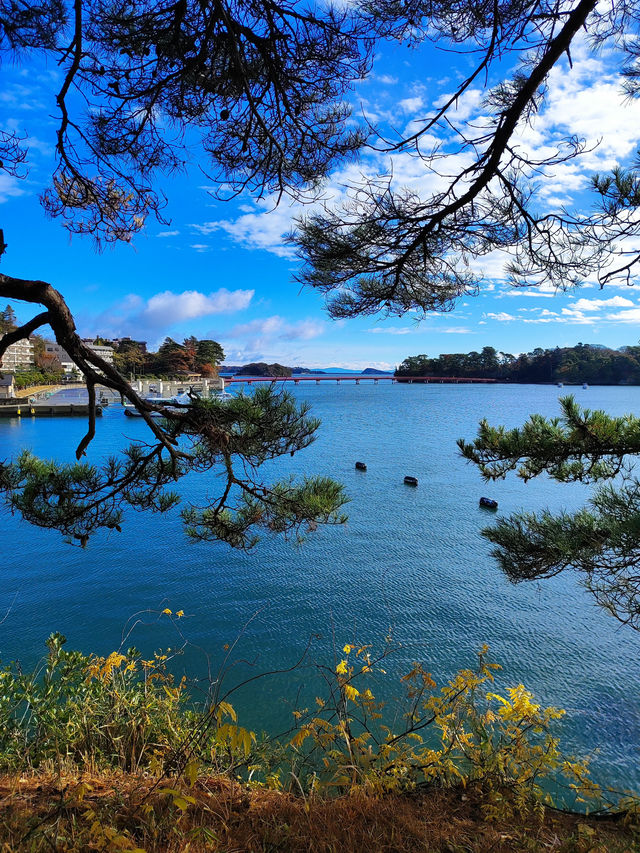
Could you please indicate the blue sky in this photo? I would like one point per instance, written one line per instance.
(223, 270)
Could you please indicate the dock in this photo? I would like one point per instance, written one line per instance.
(32, 410)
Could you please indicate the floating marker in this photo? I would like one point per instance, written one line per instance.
(488, 503)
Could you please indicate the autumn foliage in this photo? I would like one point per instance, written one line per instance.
(111, 753)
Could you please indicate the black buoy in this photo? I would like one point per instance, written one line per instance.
(361, 466)
(488, 503)
(411, 481)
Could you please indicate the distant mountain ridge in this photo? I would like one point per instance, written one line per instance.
(233, 369)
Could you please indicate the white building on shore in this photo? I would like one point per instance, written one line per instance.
(19, 356)
(54, 350)
(105, 352)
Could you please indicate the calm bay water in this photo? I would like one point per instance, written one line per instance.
(410, 562)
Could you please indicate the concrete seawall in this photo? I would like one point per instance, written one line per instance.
(171, 387)
(31, 410)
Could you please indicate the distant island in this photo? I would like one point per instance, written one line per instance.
(261, 368)
(593, 364)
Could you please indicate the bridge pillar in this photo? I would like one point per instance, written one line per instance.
(357, 381)
(337, 381)
(317, 381)
(296, 381)
(375, 381)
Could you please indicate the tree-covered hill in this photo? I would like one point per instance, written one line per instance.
(591, 363)
(261, 368)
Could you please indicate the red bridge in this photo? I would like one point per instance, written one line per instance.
(345, 377)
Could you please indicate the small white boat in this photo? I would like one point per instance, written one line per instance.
(161, 401)
(181, 399)
(584, 385)
(131, 412)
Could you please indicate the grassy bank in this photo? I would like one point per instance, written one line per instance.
(125, 812)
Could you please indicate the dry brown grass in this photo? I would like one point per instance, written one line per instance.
(23, 393)
(117, 812)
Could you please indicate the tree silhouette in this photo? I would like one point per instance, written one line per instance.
(262, 85)
(393, 250)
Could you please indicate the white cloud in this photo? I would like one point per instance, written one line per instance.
(262, 331)
(167, 233)
(501, 317)
(588, 312)
(21, 97)
(577, 317)
(465, 106)
(10, 187)
(588, 102)
(385, 79)
(630, 316)
(597, 304)
(168, 308)
(411, 105)
(155, 316)
(263, 229)
(390, 330)
(539, 293)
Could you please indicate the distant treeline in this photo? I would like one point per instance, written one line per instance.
(591, 363)
(36, 376)
(172, 358)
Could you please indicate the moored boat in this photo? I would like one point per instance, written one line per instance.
(178, 399)
(488, 503)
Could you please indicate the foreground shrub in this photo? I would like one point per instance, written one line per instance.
(119, 711)
(127, 713)
(458, 734)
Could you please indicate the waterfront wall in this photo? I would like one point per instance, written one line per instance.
(170, 387)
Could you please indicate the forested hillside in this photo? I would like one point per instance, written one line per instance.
(589, 363)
